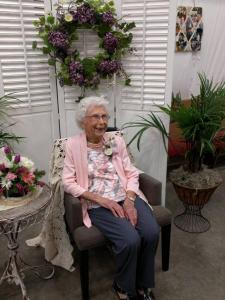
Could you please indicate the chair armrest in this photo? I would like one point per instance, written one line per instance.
(151, 187)
(73, 212)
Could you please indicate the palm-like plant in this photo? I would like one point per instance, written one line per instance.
(200, 123)
(6, 137)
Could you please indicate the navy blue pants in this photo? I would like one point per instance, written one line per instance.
(134, 247)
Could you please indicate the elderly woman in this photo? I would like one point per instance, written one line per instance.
(97, 169)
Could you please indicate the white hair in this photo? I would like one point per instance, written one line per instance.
(88, 102)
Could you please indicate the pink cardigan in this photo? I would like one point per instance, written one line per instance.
(75, 170)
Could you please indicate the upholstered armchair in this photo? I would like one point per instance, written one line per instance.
(86, 239)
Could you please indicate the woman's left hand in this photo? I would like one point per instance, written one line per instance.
(130, 213)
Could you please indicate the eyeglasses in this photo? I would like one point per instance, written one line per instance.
(99, 117)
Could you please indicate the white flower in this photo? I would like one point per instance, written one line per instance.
(68, 17)
(108, 151)
(27, 163)
(8, 164)
(108, 146)
(6, 183)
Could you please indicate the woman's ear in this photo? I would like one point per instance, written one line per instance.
(82, 125)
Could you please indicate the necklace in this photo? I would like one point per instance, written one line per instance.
(94, 145)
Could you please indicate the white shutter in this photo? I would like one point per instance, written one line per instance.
(23, 69)
(26, 72)
(148, 67)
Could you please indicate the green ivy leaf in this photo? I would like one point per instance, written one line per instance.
(35, 23)
(42, 20)
(129, 26)
(51, 61)
(103, 29)
(89, 65)
(45, 38)
(121, 26)
(50, 19)
(67, 81)
(34, 44)
(111, 3)
(127, 82)
(67, 60)
(46, 50)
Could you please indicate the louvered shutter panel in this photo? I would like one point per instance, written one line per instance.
(26, 72)
(23, 69)
(149, 64)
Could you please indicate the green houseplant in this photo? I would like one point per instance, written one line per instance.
(201, 126)
(6, 136)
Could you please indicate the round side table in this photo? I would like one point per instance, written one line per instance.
(12, 222)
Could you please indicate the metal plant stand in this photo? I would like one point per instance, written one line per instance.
(13, 221)
(192, 220)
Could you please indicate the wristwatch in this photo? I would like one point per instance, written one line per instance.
(132, 199)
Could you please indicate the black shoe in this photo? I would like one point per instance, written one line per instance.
(147, 295)
(121, 295)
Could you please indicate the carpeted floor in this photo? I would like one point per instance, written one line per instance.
(197, 265)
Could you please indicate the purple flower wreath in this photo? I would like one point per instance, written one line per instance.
(58, 33)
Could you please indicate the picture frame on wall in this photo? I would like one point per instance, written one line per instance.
(189, 29)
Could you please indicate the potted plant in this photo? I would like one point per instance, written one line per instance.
(6, 137)
(201, 126)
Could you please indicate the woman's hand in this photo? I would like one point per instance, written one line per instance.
(130, 212)
(115, 208)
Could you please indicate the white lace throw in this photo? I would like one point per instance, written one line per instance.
(54, 237)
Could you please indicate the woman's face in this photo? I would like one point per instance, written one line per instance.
(95, 123)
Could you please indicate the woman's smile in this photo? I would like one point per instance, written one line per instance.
(95, 123)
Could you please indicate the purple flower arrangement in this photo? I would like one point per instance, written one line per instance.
(61, 35)
(84, 15)
(110, 42)
(76, 73)
(108, 18)
(17, 174)
(58, 39)
(109, 67)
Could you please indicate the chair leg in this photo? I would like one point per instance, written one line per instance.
(165, 243)
(84, 274)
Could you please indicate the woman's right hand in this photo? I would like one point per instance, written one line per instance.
(115, 208)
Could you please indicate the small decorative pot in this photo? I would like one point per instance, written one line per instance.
(20, 200)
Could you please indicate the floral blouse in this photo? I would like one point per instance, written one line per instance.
(102, 177)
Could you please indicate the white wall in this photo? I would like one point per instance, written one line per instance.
(211, 58)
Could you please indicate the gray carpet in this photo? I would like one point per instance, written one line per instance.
(197, 265)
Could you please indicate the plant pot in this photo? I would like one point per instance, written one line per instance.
(20, 200)
(194, 199)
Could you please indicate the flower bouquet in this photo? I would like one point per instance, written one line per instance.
(19, 180)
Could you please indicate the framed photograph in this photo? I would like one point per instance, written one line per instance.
(189, 28)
